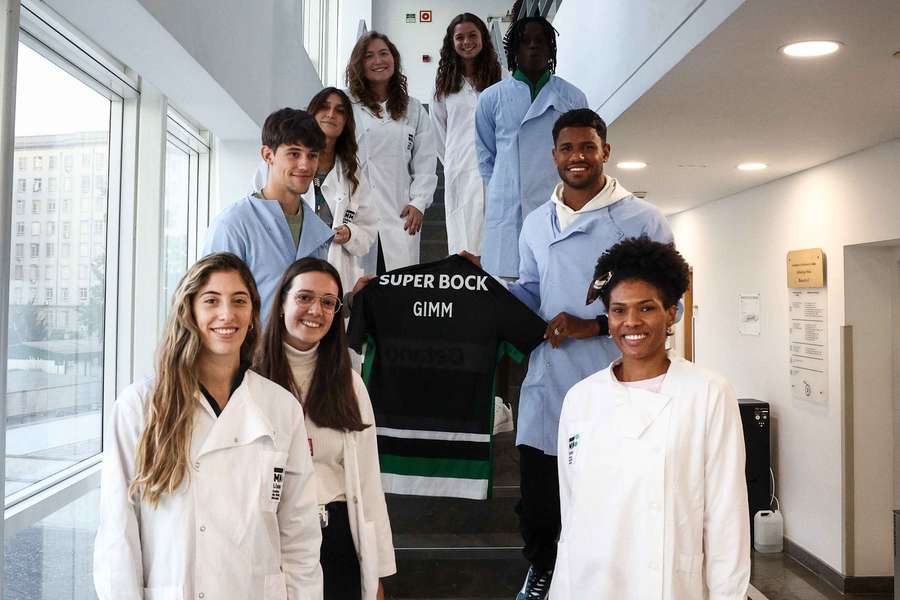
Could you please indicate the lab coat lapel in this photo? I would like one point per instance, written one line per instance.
(545, 100)
(271, 216)
(240, 423)
(636, 409)
(314, 233)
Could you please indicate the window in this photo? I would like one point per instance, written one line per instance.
(64, 295)
(84, 250)
(99, 229)
(20, 206)
(67, 205)
(51, 205)
(22, 185)
(84, 230)
(86, 160)
(65, 250)
(85, 185)
(186, 194)
(67, 230)
(17, 292)
(35, 206)
(20, 251)
(20, 228)
(65, 272)
(83, 272)
(19, 273)
(64, 394)
(23, 163)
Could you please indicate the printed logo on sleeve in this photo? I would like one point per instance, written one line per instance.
(349, 215)
(277, 483)
(409, 141)
(573, 447)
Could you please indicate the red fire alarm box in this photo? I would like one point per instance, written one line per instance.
(424, 16)
(426, 58)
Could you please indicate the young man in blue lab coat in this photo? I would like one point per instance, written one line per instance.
(513, 121)
(272, 228)
(561, 239)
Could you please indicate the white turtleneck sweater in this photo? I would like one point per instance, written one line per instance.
(325, 443)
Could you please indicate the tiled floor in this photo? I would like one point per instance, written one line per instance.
(779, 577)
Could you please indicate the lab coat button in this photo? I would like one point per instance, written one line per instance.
(203, 528)
(201, 595)
(235, 440)
(355, 500)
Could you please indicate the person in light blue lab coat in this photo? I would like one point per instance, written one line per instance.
(513, 121)
(586, 214)
(272, 228)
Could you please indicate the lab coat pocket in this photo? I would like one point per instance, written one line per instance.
(169, 592)
(368, 560)
(273, 464)
(559, 585)
(275, 587)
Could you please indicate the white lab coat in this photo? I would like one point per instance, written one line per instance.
(369, 522)
(243, 525)
(350, 208)
(453, 119)
(398, 158)
(652, 490)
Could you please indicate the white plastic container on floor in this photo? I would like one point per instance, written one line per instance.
(768, 530)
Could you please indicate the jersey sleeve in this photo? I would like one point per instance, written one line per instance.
(360, 326)
(517, 324)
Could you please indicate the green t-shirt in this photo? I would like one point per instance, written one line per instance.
(534, 87)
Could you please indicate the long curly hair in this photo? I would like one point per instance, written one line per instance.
(450, 69)
(161, 460)
(330, 400)
(398, 96)
(345, 148)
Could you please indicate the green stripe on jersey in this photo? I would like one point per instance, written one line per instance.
(435, 467)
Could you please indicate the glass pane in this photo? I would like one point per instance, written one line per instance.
(175, 232)
(55, 356)
(53, 559)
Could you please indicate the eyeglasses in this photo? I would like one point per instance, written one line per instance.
(329, 303)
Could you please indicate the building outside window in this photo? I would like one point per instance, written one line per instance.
(51, 228)
(51, 184)
(20, 228)
(38, 163)
(51, 205)
(51, 162)
(35, 206)
(50, 250)
(35, 250)
(19, 273)
(23, 163)
(20, 206)
(35, 228)
(22, 185)
(20, 250)
(36, 184)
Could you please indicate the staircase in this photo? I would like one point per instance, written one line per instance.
(455, 549)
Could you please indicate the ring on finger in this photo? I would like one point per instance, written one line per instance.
(555, 331)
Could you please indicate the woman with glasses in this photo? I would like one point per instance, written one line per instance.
(304, 349)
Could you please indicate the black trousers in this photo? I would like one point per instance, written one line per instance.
(340, 565)
(538, 507)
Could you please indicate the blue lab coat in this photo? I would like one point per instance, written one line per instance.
(555, 271)
(514, 141)
(257, 231)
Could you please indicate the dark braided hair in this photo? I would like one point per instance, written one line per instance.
(646, 260)
(450, 69)
(514, 36)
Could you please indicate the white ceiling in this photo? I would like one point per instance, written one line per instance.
(735, 98)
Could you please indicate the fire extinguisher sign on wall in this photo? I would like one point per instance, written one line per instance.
(424, 16)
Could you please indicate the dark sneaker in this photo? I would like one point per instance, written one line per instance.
(537, 584)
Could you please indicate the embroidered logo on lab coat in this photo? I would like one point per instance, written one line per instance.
(349, 215)
(277, 482)
(573, 447)
(410, 138)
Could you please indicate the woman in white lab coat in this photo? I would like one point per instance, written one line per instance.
(304, 349)
(340, 194)
(396, 150)
(651, 454)
(207, 488)
(468, 65)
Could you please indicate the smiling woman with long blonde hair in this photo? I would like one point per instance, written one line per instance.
(207, 487)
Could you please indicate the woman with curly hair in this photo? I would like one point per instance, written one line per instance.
(396, 150)
(468, 65)
(650, 453)
(208, 488)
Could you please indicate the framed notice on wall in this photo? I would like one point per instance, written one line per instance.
(809, 336)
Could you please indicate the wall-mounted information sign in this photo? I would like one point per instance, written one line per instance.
(806, 268)
(809, 344)
(410, 17)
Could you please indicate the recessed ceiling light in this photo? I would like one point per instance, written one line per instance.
(631, 165)
(811, 49)
(752, 166)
